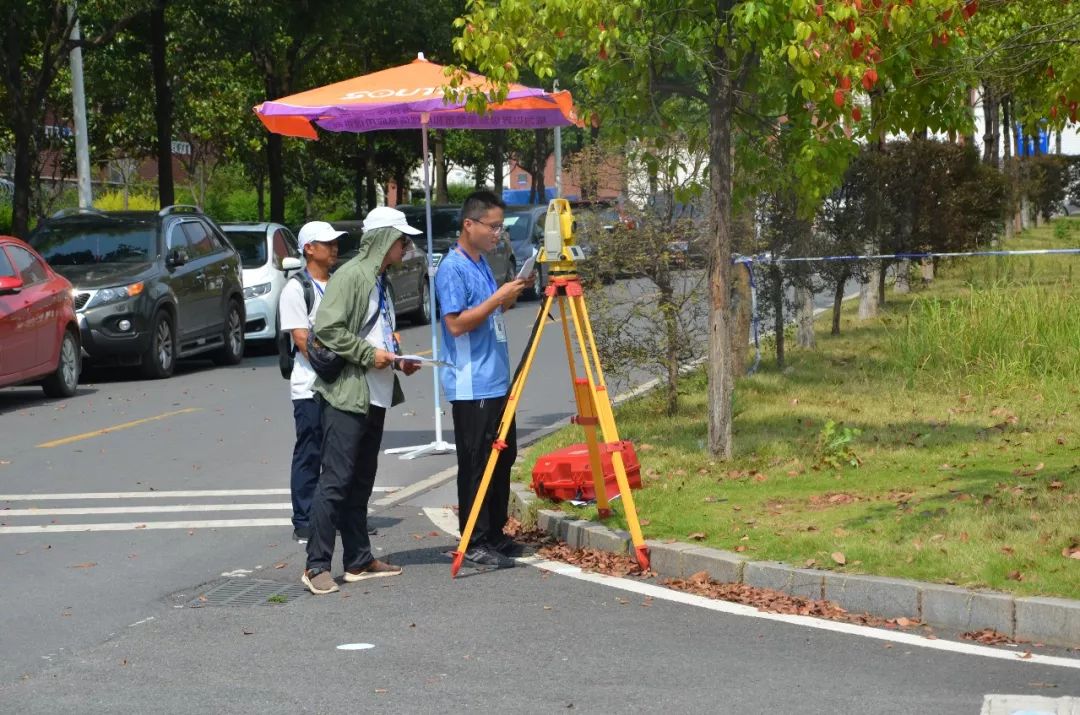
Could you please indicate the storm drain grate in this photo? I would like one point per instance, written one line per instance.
(248, 592)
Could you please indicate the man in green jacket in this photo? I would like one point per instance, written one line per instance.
(356, 320)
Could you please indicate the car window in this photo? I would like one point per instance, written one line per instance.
(84, 242)
(29, 267)
(284, 246)
(199, 241)
(251, 245)
(6, 269)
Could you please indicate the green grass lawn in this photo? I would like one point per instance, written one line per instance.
(940, 442)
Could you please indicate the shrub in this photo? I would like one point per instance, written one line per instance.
(114, 201)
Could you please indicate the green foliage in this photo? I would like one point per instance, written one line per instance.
(114, 201)
(999, 333)
(5, 218)
(834, 445)
(1044, 180)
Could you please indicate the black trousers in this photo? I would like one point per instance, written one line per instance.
(306, 459)
(350, 458)
(476, 425)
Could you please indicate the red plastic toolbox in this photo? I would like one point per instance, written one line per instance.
(565, 473)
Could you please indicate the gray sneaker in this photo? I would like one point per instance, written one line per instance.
(319, 582)
(375, 569)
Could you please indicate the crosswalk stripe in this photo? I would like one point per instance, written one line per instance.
(142, 509)
(159, 494)
(144, 525)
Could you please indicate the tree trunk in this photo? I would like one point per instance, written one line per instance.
(741, 316)
(776, 288)
(260, 189)
(1006, 119)
(275, 169)
(804, 317)
(881, 283)
(399, 179)
(838, 300)
(540, 138)
(498, 161)
(442, 193)
(372, 195)
(23, 176)
(721, 378)
(359, 167)
(868, 303)
(671, 346)
(903, 274)
(163, 103)
(990, 126)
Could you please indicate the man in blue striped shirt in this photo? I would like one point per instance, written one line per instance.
(474, 342)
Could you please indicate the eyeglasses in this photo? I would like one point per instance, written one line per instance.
(496, 227)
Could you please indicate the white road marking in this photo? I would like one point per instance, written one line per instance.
(997, 704)
(355, 646)
(159, 494)
(444, 519)
(406, 493)
(143, 509)
(139, 623)
(144, 525)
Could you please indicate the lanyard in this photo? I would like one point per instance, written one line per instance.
(314, 282)
(389, 337)
(482, 267)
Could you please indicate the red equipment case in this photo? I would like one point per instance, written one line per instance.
(565, 473)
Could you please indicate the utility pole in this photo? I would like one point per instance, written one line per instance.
(558, 154)
(78, 100)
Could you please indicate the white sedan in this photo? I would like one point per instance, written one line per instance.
(268, 256)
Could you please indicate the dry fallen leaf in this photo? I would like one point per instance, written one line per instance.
(280, 565)
(1015, 576)
(838, 557)
(697, 536)
(84, 565)
(247, 631)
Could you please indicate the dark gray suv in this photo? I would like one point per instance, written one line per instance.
(149, 287)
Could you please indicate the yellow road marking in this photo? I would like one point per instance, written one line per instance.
(116, 428)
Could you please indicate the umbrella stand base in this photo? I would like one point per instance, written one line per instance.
(436, 447)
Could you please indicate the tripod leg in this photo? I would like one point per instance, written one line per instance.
(606, 418)
(505, 421)
(586, 417)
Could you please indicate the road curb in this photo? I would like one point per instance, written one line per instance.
(1052, 621)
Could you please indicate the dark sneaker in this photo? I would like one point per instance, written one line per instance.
(319, 582)
(487, 556)
(508, 547)
(375, 569)
(301, 534)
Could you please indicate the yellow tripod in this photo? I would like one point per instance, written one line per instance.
(590, 392)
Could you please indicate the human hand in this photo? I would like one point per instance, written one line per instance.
(383, 358)
(408, 366)
(508, 292)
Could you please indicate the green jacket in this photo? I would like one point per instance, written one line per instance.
(341, 316)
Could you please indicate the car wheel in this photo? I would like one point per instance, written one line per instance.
(160, 358)
(232, 351)
(422, 314)
(65, 380)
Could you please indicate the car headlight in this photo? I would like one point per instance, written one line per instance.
(115, 295)
(256, 291)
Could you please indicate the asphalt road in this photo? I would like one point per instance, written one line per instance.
(189, 479)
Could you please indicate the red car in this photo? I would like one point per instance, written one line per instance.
(39, 334)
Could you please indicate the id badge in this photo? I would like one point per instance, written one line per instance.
(499, 325)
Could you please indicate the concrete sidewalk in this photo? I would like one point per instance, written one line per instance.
(1052, 621)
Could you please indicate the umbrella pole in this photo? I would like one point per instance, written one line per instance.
(439, 446)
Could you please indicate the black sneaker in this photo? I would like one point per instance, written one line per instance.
(301, 534)
(508, 547)
(486, 556)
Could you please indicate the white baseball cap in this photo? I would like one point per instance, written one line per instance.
(318, 231)
(386, 217)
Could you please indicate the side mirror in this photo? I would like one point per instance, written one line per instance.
(177, 257)
(10, 285)
(291, 263)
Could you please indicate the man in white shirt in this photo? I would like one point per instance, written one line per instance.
(319, 243)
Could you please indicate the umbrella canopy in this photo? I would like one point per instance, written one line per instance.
(409, 97)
